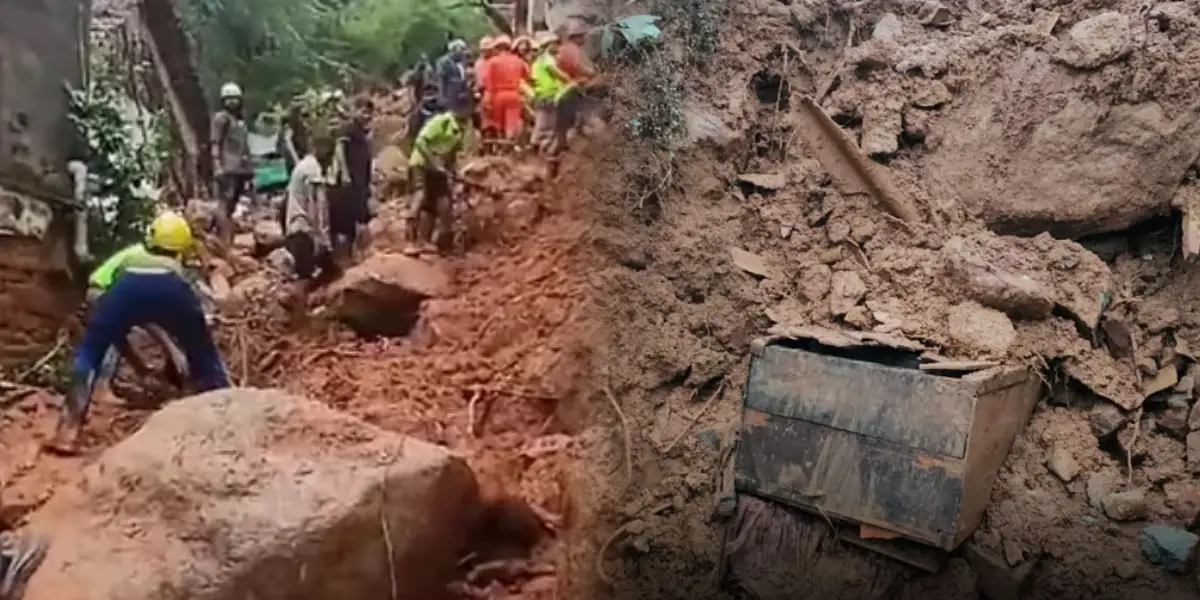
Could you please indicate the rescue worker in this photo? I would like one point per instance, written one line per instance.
(507, 77)
(417, 80)
(488, 128)
(306, 224)
(434, 155)
(454, 89)
(571, 102)
(150, 291)
(100, 281)
(419, 116)
(233, 168)
(292, 141)
(548, 83)
(350, 178)
(523, 46)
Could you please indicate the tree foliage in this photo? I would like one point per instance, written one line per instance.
(277, 48)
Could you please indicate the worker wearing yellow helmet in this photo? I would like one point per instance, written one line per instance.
(144, 288)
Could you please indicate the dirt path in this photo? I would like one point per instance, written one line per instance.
(486, 374)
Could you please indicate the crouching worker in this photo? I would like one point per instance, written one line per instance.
(100, 281)
(434, 155)
(307, 234)
(150, 290)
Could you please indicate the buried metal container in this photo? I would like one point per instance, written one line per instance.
(859, 427)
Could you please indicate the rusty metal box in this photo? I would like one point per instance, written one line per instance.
(856, 427)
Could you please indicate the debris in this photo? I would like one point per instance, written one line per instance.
(933, 94)
(1013, 554)
(1187, 198)
(1170, 548)
(705, 124)
(994, 579)
(1015, 294)
(384, 293)
(1194, 417)
(959, 366)
(1063, 465)
(887, 28)
(766, 181)
(851, 171)
(1193, 452)
(847, 289)
(1118, 337)
(750, 263)
(1184, 498)
(935, 14)
(216, 467)
(1129, 505)
(1174, 421)
(981, 329)
(1099, 486)
(1097, 41)
(1165, 379)
(268, 232)
(882, 123)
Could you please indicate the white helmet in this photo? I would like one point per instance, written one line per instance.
(457, 46)
(231, 90)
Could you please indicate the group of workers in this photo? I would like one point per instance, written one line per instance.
(327, 206)
(512, 83)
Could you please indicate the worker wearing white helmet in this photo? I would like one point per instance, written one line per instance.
(233, 170)
(454, 86)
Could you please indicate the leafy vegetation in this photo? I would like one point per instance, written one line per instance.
(126, 152)
(278, 48)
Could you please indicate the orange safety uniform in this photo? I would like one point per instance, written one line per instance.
(507, 77)
(481, 80)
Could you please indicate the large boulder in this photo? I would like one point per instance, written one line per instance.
(383, 294)
(247, 493)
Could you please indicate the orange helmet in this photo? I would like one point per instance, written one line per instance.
(487, 42)
(502, 41)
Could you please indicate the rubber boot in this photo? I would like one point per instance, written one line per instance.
(72, 416)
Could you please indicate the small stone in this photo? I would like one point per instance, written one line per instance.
(932, 94)
(1125, 570)
(268, 232)
(847, 290)
(785, 230)
(1174, 421)
(1129, 505)
(1193, 452)
(859, 318)
(830, 256)
(1013, 554)
(1063, 465)
(1106, 420)
(1194, 418)
(1170, 548)
(1186, 384)
(1099, 485)
(981, 329)
(887, 28)
(1184, 499)
(935, 14)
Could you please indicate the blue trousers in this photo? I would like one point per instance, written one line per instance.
(162, 299)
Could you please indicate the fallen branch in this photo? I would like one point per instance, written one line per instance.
(471, 412)
(612, 401)
(692, 423)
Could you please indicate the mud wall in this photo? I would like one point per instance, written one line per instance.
(36, 297)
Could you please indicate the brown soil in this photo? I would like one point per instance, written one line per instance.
(504, 350)
(687, 314)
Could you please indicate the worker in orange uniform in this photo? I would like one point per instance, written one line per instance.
(574, 64)
(507, 78)
(487, 128)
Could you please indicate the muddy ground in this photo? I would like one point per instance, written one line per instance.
(993, 118)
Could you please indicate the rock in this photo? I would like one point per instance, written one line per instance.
(383, 294)
(1125, 570)
(1016, 294)
(981, 329)
(1013, 554)
(1063, 465)
(1193, 452)
(1117, 337)
(253, 289)
(1172, 549)
(1129, 505)
(268, 232)
(994, 579)
(846, 290)
(888, 28)
(216, 265)
(705, 124)
(281, 260)
(1106, 420)
(1186, 384)
(244, 241)
(1194, 417)
(859, 317)
(932, 94)
(935, 14)
(1095, 42)
(1183, 497)
(1174, 421)
(802, 17)
(814, 282)
(1099, 485)
(225, 495)
(881, 127)
(764, 181)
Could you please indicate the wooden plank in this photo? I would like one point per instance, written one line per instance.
(901, 406)
(850, 476)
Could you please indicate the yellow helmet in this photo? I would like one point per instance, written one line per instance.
(170, 232)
